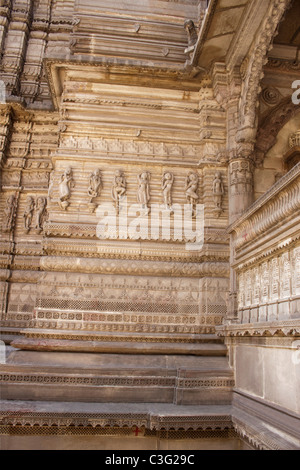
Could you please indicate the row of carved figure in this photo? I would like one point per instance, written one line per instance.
(119, 188)
(39, 206)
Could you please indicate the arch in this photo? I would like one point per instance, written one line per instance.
(271, 125)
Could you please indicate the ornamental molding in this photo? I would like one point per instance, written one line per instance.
(60, 248)
(283, 65)
(117, 381)
(119, 66)
(151, 268)
(288, 328)
(128, 147)
(148, 420)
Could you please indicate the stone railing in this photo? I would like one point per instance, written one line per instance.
(266, 243)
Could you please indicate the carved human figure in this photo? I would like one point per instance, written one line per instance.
(143, 193)
(167, 183)
(190, 28)
(9, 213)
(50, 188)
(41, 203)
(191, 189)
(65, 186)
(94, 188)
(95, 184)
(28, 213)
(118, 189)
(218, 190)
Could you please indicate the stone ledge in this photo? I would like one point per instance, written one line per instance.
(285, 328)
(265, 425)
(152, 416)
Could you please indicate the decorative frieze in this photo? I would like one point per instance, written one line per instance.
(270, 285)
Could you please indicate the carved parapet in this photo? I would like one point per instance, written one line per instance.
(275, 206)
(267, 254)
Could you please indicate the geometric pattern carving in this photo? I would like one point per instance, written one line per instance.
(137, 304)
(278, 279)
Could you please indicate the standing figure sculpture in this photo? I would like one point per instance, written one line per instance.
(94, 188)
(9, 214)
(143, 193)
(50, 187)
(191, 31)
(218, 192)
(118, 189)
(191, 189)
(65, 186)
(41, 203)
(28, 213)
(166, 186)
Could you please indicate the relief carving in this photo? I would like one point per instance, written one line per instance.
(166, 185)
(94, 188)
(65, 186)
(143, 192)
(9, 214)
(41, 204)
(191, 191)
(218, 193)
(192, 35)
(118, 189)
(28, 213)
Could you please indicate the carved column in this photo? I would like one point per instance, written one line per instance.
(241, 186)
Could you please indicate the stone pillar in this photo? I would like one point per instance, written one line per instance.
(241, 186)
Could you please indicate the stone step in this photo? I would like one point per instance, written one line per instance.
(122, 343)
(92, 378)
(150, 416)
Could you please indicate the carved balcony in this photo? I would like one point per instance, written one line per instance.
(267, 260)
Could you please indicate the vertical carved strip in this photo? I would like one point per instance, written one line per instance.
(16, 44)
(241, 186)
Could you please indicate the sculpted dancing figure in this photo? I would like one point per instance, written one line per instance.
(167, 183)
(65, 185)
(40, 211)
(191, 189)
(94, 188)
(143, 193)
(9, 213)
(28, 213)
(218, 192)
(118, 189)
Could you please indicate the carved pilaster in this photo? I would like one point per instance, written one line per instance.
(5, 130)
(241, 186)
(4, 20)
(16, 44)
